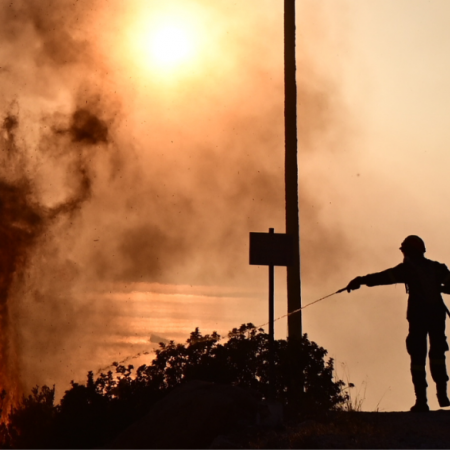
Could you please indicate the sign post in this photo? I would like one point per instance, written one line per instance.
(271, 249)
(271, 313)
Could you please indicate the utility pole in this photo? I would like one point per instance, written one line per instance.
(291, 170)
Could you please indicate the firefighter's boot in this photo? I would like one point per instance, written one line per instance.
(442, 395)
(421, 404)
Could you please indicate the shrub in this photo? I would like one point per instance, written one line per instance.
(91, 415)
(31, 422)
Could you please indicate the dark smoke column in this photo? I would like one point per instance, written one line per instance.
(291, 169)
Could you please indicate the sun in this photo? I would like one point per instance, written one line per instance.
(170, 45)
(165, 45)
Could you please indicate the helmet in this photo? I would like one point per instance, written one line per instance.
(413, 243)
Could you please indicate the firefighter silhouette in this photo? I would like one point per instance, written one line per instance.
(425, 280)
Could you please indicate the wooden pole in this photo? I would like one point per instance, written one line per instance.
(291, 169)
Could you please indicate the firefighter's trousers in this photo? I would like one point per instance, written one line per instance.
(432, 326)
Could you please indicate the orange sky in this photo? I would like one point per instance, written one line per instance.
(194, 162)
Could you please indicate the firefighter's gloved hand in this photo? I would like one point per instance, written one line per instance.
(354, 284)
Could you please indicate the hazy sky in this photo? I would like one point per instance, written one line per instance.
(393, 76)
(141, 175)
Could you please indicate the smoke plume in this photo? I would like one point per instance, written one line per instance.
(106, 180)
(27, 217)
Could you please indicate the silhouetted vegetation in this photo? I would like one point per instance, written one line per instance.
(90, 415)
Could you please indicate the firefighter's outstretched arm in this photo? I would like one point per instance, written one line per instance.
(389, 276)
(355, 284)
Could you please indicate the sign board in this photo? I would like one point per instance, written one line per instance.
(271, 249)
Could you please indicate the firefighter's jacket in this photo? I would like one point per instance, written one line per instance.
(424, 280)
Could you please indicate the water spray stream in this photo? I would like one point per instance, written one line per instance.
(303, 307)
(129, 358)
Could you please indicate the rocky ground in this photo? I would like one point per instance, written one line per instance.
(350, 430)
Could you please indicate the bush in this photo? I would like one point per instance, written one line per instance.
(301, 373)
(91, 415)
(31, 422)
